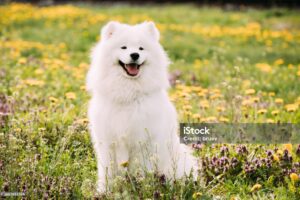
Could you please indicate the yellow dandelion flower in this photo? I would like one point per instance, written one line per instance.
(220, 109)
(256, 187)
(187, 113)
(196, 89)
(204, 104)
(187, 107)
(215, 96)
(70, 95)
(271, 94)
(276, 158)
(261, 111)
(247, 102)
(246, 83)
(278, 101)
(288, 147)
(32, 82)
(197, 195)
(38, 71)
(255, 99)
(291, 66)
(291, 107)
(269, 42)
(270, 120)
(196, 116)
(223, 119)
(294, 177)
(22, 60)
(250, 91)
(197, 64)
(124, 164)
(279, 62)
(210, 119)
(201, 94)
(275, 112)
(83, 87)
(82, 121)
(53, 99)
(298, 73)
(279, 152)
(264, 67)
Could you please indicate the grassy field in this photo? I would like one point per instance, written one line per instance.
(228, 66)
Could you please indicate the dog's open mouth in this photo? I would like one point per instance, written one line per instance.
(132, 69)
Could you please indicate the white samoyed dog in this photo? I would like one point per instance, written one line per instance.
(131, 117)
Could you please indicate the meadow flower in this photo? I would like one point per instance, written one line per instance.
(291, 107)
(33, 82)
(275, 157)
(210, 119)
(38, 71)
(279, 101)
(262, 111)
(256, 187)
(215, 96)
(294, 177)
(255, 99)
(288, 147)
(271, 94)
(197, 64)
(70, 95)
(187, 107)
(264, 67)
(290, 66)
(197, 116)
(53, 99)
(278, 62)
(124, 164)
(83, 87)
(201, 94)
(250, 91)
(275, 112)
(204, 104)
(22, 61)
(247, 102)
(279, 152)
(187, 113)
(220, 109)
(82, 121)
(223, 119)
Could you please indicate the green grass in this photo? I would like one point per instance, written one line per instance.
(45, 147)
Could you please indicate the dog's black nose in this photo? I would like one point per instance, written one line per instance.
(135, 56)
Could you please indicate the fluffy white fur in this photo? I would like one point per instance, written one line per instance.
(132, 118)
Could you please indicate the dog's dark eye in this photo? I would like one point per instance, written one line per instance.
(123, 47)
(141, 48)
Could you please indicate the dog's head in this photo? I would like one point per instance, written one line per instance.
(131, 48)
(129, 55)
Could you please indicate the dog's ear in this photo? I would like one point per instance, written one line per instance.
(152, 30)
(109, 29)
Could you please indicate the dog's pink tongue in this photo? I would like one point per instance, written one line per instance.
(132, 69)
